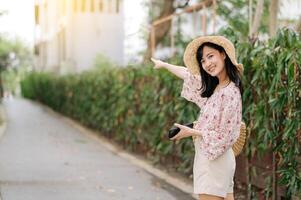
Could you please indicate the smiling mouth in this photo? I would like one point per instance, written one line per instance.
(211, 69)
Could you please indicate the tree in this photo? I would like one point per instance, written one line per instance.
(164, 8)
(13, 54)
(161, 30)
(235, 14)
(257, 19)
(273, 11)
(298, 26)
(245, 17)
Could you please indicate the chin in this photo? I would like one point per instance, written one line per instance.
(214, 74)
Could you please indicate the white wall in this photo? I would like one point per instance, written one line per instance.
(86, 35)
(93, 34)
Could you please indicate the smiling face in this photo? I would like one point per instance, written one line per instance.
(213, 61)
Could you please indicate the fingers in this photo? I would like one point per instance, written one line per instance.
(184, 132)
(180, 126)
(156, 62)
(176, 137)
(152, 59)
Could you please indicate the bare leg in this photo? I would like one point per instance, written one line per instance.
(230, 196)
(209, 197)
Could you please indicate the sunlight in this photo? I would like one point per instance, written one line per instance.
(19, 19)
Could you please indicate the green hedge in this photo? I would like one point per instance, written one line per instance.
(134, 106)
(272, 104)
(137, 105)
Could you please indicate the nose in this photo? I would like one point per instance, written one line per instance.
(206, 64)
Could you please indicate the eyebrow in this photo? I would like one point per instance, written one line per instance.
(207, 54)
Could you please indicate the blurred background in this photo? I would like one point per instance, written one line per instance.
(69, 34)
(90, 60)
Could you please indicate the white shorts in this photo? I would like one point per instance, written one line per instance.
(213, 177)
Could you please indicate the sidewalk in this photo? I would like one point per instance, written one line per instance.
(46, 156)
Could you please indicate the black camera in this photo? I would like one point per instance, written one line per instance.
(175, 130)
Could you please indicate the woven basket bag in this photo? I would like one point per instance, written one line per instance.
(239, 144)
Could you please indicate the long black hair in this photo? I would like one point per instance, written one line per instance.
(209, 82)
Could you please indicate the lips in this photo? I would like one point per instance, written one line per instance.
(211, 69)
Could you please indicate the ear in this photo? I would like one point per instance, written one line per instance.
(223, 55)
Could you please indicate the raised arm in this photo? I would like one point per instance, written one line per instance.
(179, 71)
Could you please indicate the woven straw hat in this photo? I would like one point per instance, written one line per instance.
(190, 58)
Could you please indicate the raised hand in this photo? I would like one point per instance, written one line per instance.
(158, 63)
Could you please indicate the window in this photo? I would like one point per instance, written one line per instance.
(75, 5)
(37, 14)
(92, 5)
(117, 6)
(45, 17)
(110, 6)
(64, 7)
(83, 5)
(36, 49)
(101, 5)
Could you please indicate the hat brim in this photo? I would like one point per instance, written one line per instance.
(190, 54)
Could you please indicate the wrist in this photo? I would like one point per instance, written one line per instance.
(195, 132)
(164, 65)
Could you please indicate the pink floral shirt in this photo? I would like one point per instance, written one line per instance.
(220, 116)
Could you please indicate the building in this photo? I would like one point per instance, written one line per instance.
(69, 34)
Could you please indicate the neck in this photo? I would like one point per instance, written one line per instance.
(223, 78)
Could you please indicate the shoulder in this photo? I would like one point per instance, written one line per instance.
(189, 75)
(192, 80)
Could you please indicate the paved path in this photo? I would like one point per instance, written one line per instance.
(44, 158)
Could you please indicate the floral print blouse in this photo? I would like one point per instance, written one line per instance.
(220, 115)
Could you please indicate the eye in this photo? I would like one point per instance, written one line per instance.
(210, 56)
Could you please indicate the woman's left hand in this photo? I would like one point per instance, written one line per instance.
(185, 131)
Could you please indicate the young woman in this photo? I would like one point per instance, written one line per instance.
(212, 80)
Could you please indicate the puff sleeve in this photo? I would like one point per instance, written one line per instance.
(221, 136)
(191, 89)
